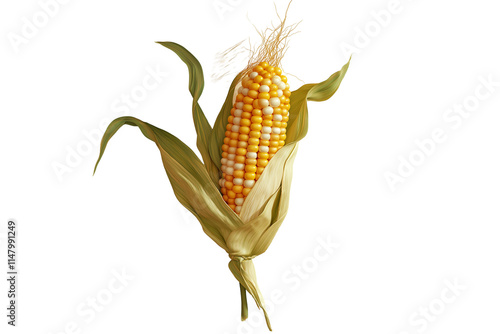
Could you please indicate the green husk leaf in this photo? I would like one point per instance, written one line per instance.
(297, 123)
(203, 128)
(189, 179)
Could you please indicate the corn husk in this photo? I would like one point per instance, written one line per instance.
(195, 183)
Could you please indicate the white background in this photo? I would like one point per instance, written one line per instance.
(398, 247)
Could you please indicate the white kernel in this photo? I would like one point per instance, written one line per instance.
(265, 129)
(235, 128)
(252, 155)
(276, 80)
(264, 89)
(268, 110)
(240, 89)
(265, 136)
(239, 105)
(231, 157)
(281, 85)
(263, 103)
(245, 91)
(274, 101)
(253, 75)
(249, 183)
(264, 149)
(230, 163)
(231, 150)
(237, 209)
(221, 182)
(238, 181)
(236, 120)
(276, 130)
(239, 166)
(277, 117)
(238, 112)
(280, 93)
(229, 170)
(223, 168)
(239, 201)
(223, 161)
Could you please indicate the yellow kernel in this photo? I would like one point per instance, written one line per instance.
(267, 122)
(224, 191)
(249, 176)
(248, 100)
(247, 107)
(273, 93)
(273, 150)
(264, 96)
(245, 122)
(226, 140)
(250, 168)
(256, 127)
(225, 147)
(258, 68)
(277, 123)
(230, 201)
(252, 148)
(244, 129)
(246, 191)
(256, 119)
(263, 155)
(277, 70)
(231, 194)
(253, 94)
(264, 142)
(251, 161)
(224, 154)
(254, 134)
(239, 159)
(243, 137)
(281, 143)
(273, 87)
(256, 104)
(234, 135)
(246, 114)
(258, 79)
(241, 150)
(233, 143)
(239, 174)
(253, 141)
(237, 189)
(284, 78)
(282, 137)
(275, 137)
(260, 170)
(266, 82)
(287, 93)
(254, 86)
(239, 97)
(262, 162)
(229, 184)
(257, 112)
(232, 206)
(274, 143)
(264, 64)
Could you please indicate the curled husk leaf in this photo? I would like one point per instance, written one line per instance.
(195, 183)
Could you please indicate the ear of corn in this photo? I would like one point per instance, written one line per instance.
(255, 131)
(196, 184)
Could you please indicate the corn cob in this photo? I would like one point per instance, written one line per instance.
(255, 131)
